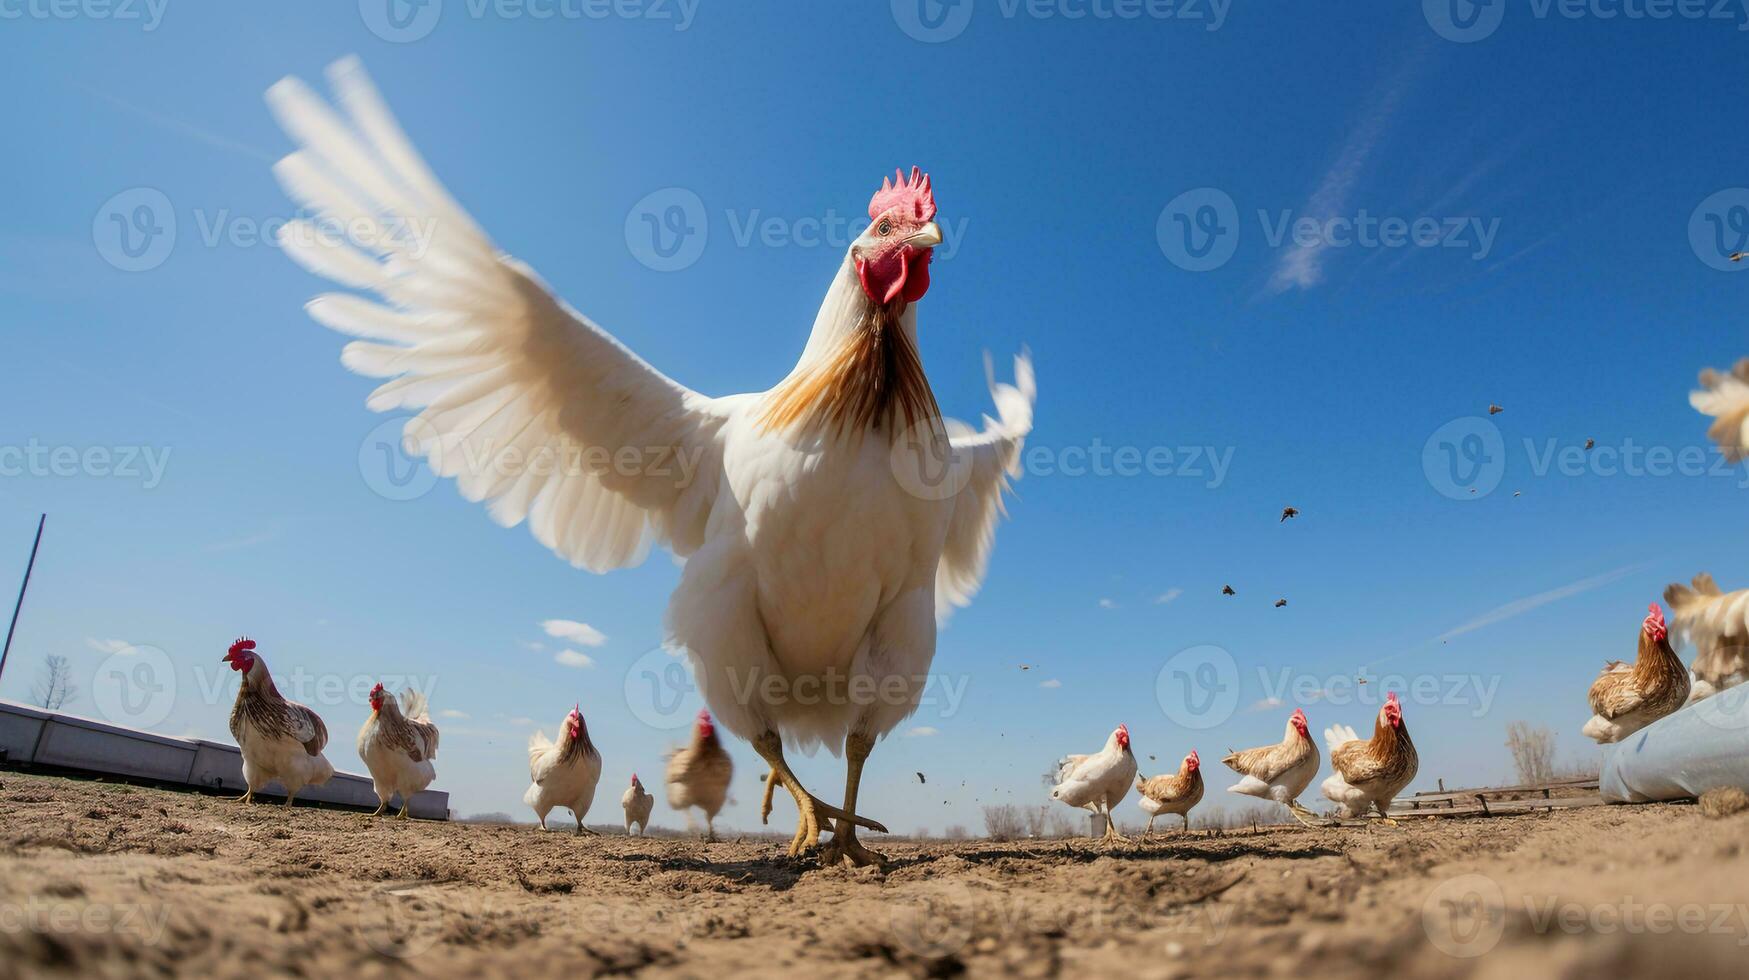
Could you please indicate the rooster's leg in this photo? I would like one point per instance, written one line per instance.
(1149, 829)
(765, 803)
(810, 810)
(844, 845)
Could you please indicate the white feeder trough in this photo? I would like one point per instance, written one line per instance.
(1702, 747)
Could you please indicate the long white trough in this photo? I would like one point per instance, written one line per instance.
(1704, 746)
(33, 737)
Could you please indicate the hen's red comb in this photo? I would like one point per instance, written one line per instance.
(914, 193)
(1654, 625)
(243, 643)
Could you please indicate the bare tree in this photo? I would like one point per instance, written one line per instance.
(1037, 820)
(1062, 824)
(55, 690)
(955, 832)
(1533, 752)
(1003, 822)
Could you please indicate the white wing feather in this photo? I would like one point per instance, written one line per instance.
(994, 457)
(1338, 735)
(1725, 398)
(526, 403)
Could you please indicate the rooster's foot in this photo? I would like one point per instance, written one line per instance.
(844, 848)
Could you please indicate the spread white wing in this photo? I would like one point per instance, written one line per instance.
(991, 456)
(1725, 397)
(1336, 736)
(527, 404)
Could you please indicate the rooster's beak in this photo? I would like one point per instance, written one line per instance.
(928, 236)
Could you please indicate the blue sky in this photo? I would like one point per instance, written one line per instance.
(1573, 154)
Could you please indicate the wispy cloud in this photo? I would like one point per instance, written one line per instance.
(571, 658)
(1266, 704)
(572, 631)
(182, 126)
(454, 714)
(1167, 596)
(1301, 266)
(1107, 604)
(1052, 683)
(108, 646)
(922, 731)
(1518, 607)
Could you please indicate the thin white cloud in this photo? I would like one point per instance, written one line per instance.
(923, 731)
(108, 646)
(1052, 683)
(1518, 607)
(1266, 704)
(1168, 596)
(571, 658)
(1302, 264)
(572, 631)
(535, 645)
(1107, 604)
(182, 126)
(246, 541)
(454, 714)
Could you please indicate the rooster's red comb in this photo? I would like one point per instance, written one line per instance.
(1654, 625)
(243, 643)
(914, 193)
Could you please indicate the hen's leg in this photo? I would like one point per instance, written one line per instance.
(765, 803)
(1111, 826)
(290, 795)
(1149, 828)
(1384, 816)
(844, 845)
(710, 827)
(809, 809)
(1300, 813)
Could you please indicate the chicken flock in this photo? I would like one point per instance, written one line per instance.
(580, 437)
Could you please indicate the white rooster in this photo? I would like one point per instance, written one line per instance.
(1099, 781)
(826, 524)
(565, 772)
(280, 740)
(398, 743)
(637, 803)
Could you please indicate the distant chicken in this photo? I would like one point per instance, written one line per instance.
(698, 775)
(1628, 697)
(1371, 773)
(398, 743)
(281, 740)
(1099, 781)
(1279, 772)
(1718, 626)
(1175, 793)
(637, 803)
(564, 772)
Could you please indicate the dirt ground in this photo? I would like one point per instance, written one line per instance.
(100, 879)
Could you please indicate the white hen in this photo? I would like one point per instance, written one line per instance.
(565, 772)
(637, 803)
(398, 743)
(1098, 782)
(826, 524)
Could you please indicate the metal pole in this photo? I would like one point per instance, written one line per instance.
(19, 605)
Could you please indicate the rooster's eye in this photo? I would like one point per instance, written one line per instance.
(886, 226)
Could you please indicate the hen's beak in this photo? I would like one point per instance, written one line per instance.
(928, 236)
